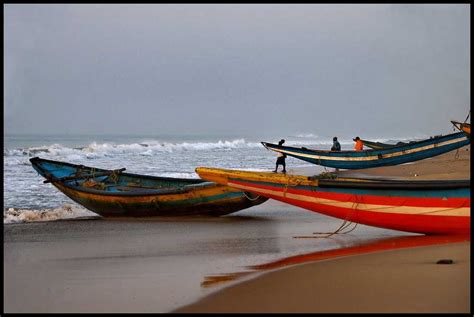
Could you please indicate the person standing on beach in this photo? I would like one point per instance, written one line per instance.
(280, 159)
(359, 145)
(336, 146)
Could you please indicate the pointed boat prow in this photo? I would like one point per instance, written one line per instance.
(462, 126)
(222, 176)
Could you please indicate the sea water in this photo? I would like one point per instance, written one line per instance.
(27, 198)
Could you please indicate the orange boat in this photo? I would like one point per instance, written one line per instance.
(420, 206)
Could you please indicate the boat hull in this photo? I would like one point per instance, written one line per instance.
(395, 155)
(216, 200)
(412, 206)
(155, 196)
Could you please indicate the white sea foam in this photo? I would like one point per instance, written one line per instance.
(95, 150)
(307, 135)
(14, 215)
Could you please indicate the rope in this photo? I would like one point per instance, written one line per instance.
(467, 116)
(113, 176)
(346, 223)
(79, 171)
(296, 183)
(251, 199)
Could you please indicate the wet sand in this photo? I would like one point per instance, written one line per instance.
(401, 281)
(153, 265)
(160, 265)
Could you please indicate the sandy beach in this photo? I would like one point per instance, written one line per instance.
(163, 265)
(402, 281)
(396, 281)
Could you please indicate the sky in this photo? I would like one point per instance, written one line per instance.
(236, 69)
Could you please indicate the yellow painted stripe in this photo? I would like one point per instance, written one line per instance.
(372, 157)
(407, 210)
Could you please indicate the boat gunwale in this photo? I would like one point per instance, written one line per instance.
(395, 183)
(340, 182)
(190, 184)
(184, 180)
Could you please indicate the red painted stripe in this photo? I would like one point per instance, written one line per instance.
(427, 224)
(420, 223)
(452, 202)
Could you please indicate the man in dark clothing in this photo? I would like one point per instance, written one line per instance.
(281, 159)
(335, 145)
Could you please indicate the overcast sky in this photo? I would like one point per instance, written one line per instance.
(371, 70)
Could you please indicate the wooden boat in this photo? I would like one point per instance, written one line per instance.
(380, 145)
(462, 126)
(113, 193)
(420, 206)
(394, 155)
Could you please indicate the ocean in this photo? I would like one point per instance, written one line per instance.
(27, 198)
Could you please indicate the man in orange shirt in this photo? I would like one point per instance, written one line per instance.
(359, 145)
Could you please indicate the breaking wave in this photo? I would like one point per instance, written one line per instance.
(151, 147)
(306, 135)
(15, 215)
(145, 148)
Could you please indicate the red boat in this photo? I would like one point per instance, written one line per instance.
(420, 206)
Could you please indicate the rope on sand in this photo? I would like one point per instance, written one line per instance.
(345, 224)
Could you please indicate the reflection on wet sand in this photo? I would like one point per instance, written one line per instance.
(376, 246)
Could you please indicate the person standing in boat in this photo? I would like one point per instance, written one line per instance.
(336, 146)
(280, 159)
(359, 145)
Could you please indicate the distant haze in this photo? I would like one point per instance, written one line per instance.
(250, 69)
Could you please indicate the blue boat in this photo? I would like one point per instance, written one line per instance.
(113, 193)
(393, 155)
